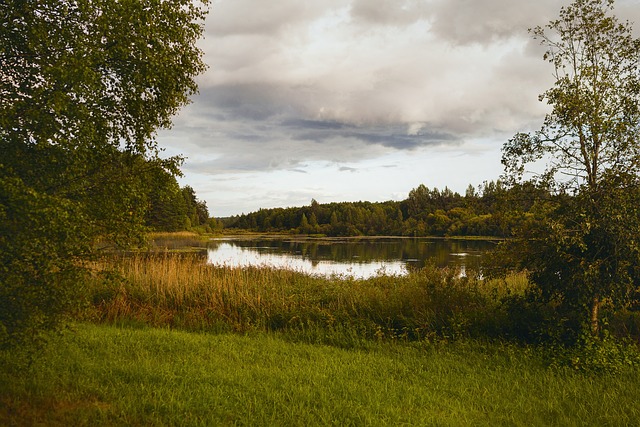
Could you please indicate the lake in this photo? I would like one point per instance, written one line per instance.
(359, 258)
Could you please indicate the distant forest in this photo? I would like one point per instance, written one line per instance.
(491, 210)
(174, 208)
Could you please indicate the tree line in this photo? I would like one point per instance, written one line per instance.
(174, 208)
(425, 212)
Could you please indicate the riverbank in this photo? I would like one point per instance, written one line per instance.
(105, 375)
(248, 234)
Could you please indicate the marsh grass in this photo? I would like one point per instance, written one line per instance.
(182, 291)
(176, 241)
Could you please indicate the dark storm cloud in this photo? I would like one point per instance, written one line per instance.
(255, 102)
(274, 117)
(387, 136)
(313, 124)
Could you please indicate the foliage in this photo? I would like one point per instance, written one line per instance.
(172, 208)
(603, 355)
(40, 239)
(426, 212)
(84, 87)
(581, 249)
(592, 130)
(167, 208)
(181, 291)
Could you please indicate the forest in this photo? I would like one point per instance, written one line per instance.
(491, 210)
(174, 208)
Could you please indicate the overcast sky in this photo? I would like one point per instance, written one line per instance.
(346, 100)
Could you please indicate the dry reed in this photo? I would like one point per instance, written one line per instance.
(181, 290)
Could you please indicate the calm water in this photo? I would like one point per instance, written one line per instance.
(360, 258)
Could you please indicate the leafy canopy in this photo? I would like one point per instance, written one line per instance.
(593, 128)
(84, 86)
(582, 248)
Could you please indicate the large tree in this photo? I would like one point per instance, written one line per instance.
(84, 86)
(585, 249)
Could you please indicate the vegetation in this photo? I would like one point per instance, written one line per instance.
(103, 375)
(333, 350)
(80, 171)
(581, 249)
(182, 291)
(425, 212)
(171, 208)
(82, 94)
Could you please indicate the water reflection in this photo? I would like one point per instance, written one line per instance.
(361, 258)
(237, 256)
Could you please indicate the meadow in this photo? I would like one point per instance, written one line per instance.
(106, 375)
(165, 339)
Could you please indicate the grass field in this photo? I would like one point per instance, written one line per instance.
(164, 339)
(105, 375)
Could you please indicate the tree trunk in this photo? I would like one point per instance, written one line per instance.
(595, 323)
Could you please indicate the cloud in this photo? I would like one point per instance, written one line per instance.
(313, 124)
(389, 12)
(341, 62)
(242, 128)
(466, 67)
(234, 17)
(244, 146)
(347, 169)
(487, 21)
(295, 85)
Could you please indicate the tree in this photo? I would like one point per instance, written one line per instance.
(167, 210)
(585, 248)
(419, 202)
(84, 86)
(304, 224)
(196, 211)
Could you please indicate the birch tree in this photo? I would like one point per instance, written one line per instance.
(585, 250)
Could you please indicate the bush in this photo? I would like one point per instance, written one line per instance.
(589, 354)
(39, 268)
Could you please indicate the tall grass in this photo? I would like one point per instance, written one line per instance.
(176, 241)
(183, 291)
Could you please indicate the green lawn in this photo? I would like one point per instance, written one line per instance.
(104, 375)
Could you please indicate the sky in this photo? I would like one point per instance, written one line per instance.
(348, 100)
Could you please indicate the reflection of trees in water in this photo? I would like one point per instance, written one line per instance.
(416, 252)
